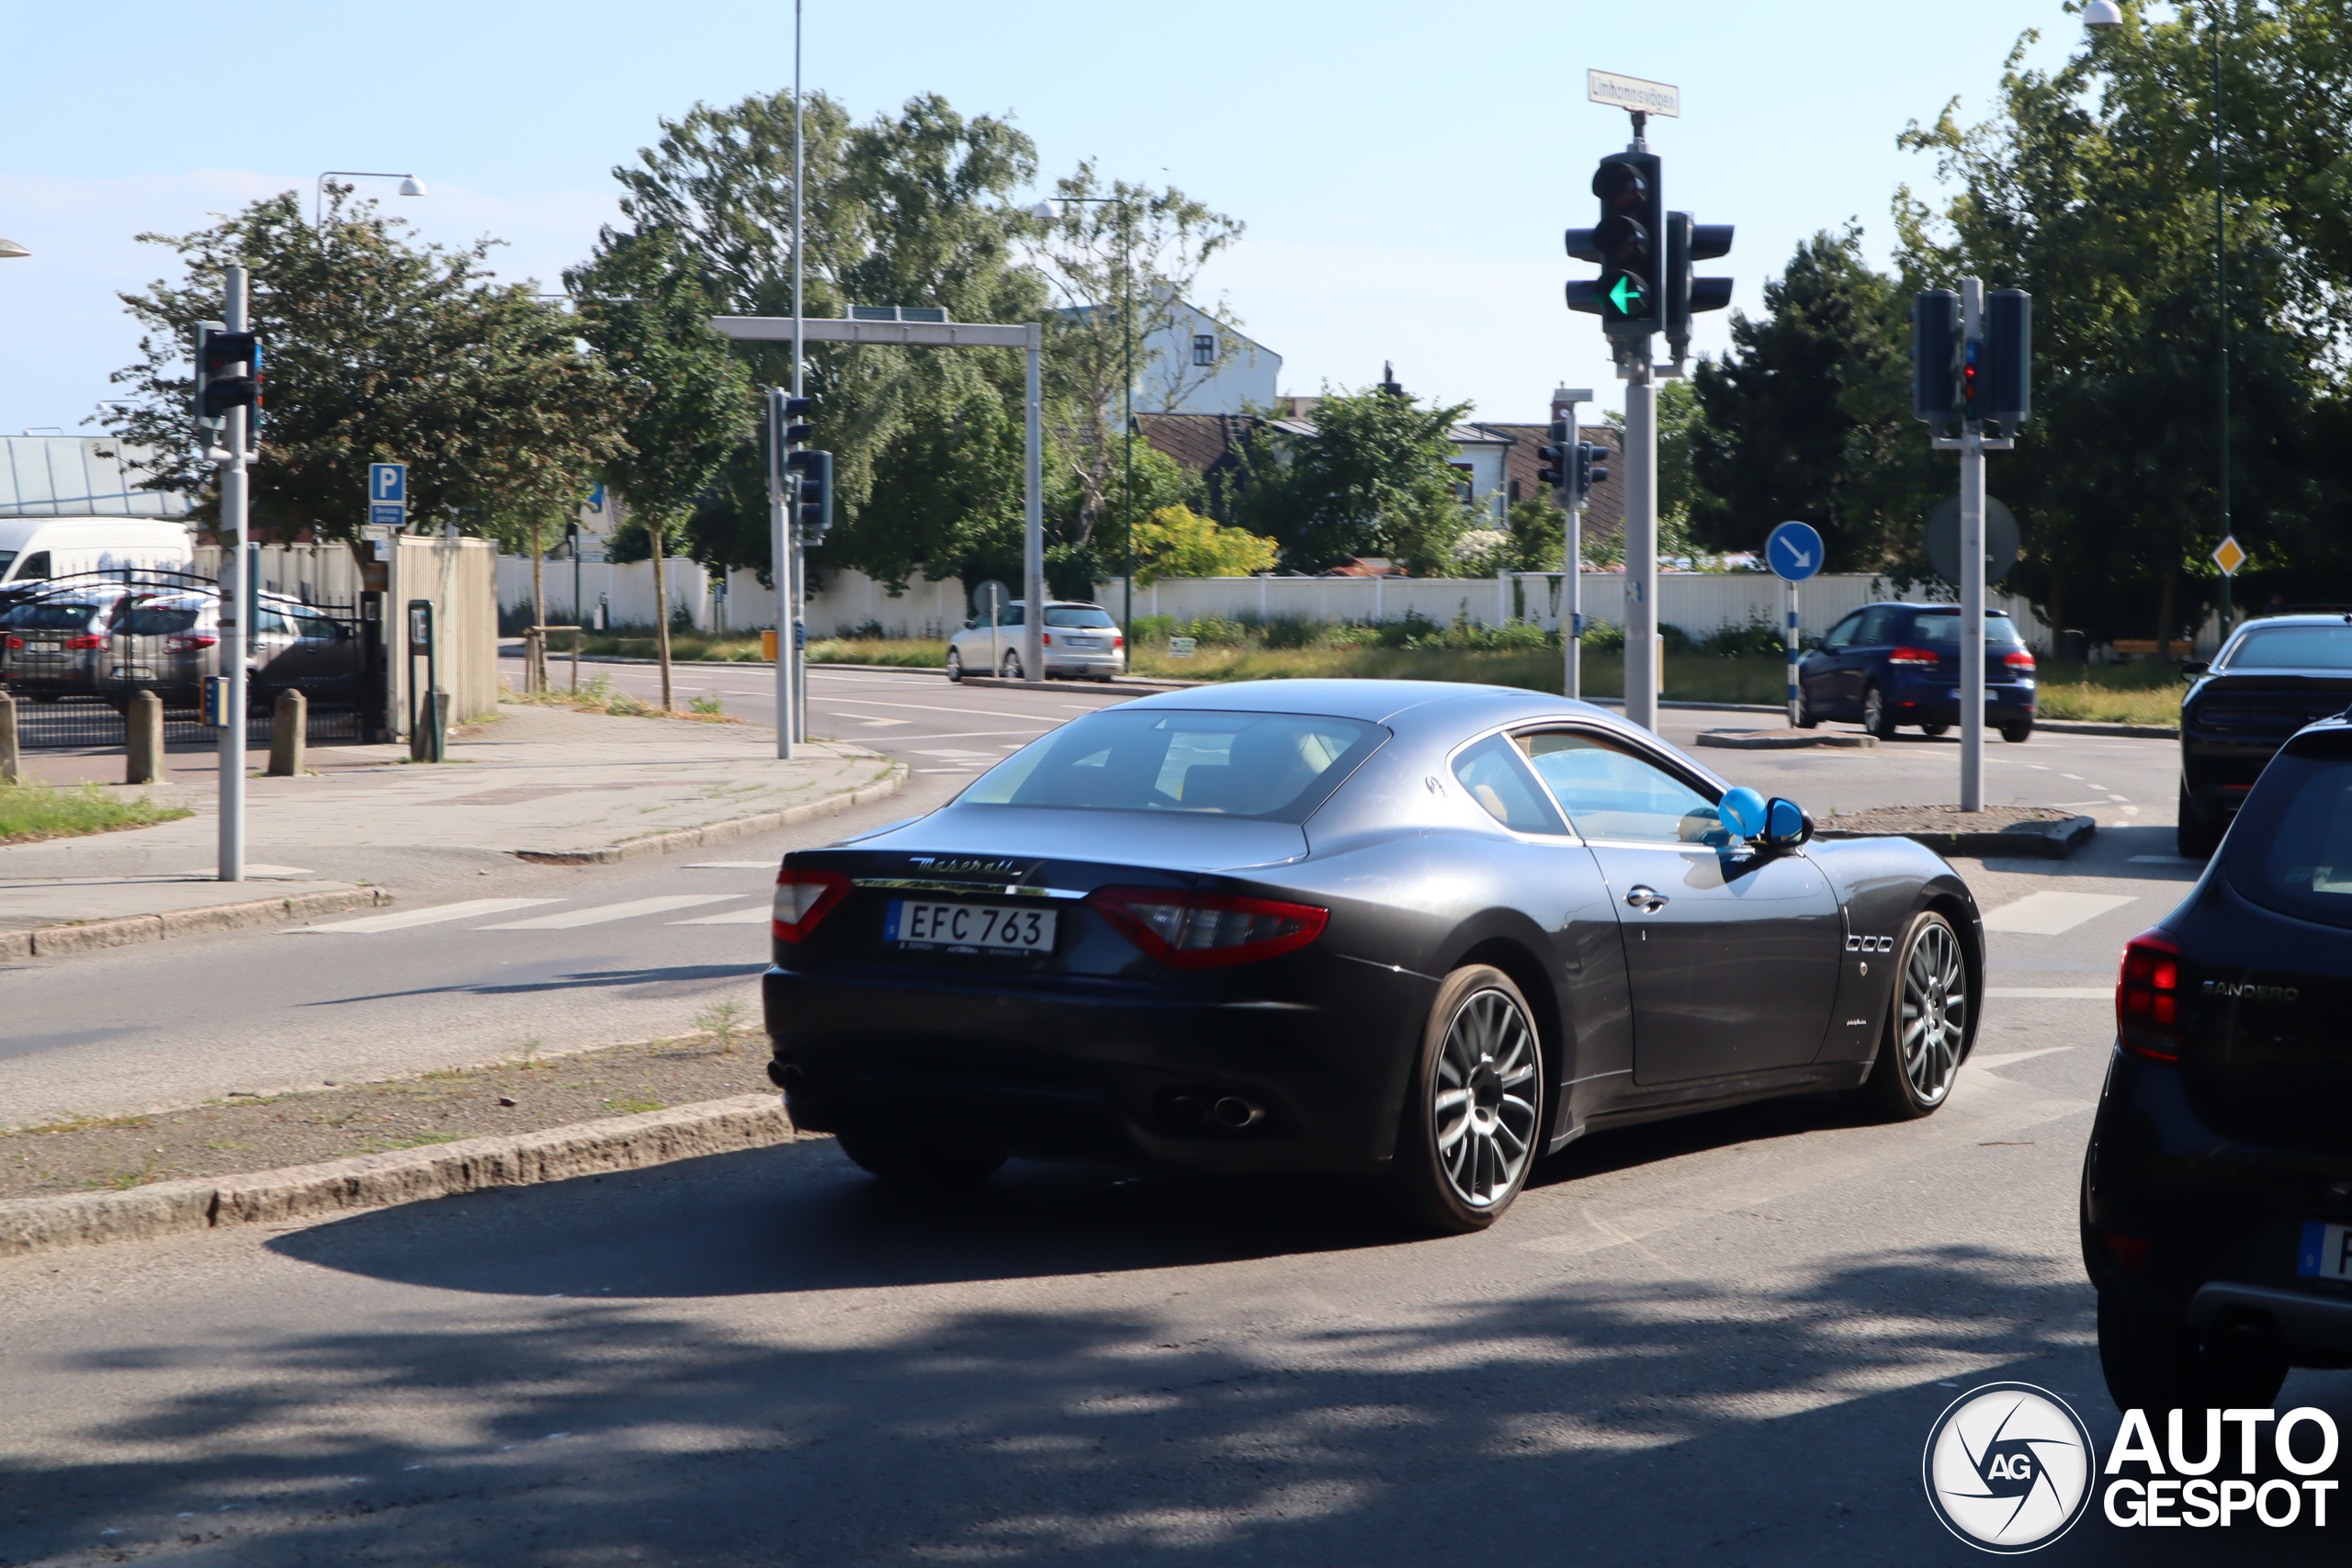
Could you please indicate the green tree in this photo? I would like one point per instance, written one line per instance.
(1775, 427)
(377, 349)
(1176, 541)
(686, 401)
(1375, 478)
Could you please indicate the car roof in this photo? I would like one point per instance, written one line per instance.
(1373, 701)
(2315, 618)
(1907, 604)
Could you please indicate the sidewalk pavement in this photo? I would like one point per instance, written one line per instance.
(540, 783)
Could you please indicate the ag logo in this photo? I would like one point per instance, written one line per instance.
(2008, 1467)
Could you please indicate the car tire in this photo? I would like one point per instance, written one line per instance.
(1926, 1036)
(1877, 717)
(955, 665)
(1473, 1121)
(1010, 669)
(907, 1162)
(2153, 1363)
(1932, 730)
(2196, 837)
(1806, 718)
(2016, 734)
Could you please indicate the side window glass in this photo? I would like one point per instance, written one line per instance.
(1878, 625)
(1611, 792)
(267, 621)
(1498, 779)
(1012, 616)
(984, 621)
(1842, 633)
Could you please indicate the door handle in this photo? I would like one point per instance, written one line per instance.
(1641, 897)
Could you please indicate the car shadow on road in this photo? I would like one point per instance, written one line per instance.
(686, 977)
(1639, 1417)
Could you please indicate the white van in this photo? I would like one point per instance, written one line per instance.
(32, 548)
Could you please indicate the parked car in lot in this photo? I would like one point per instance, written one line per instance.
(1420, 931)
(2217, 1193)
(1080, 640)
(2271, 678)
(86, 640)
(1888, 665)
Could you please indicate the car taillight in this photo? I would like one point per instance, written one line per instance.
(85, 643)
(2147, 996)
(1207, 930)
(189, 644)
(1117, 640)
(805, 898)
(2018, 659)
(15, 642)
(1045, 638)
(1923, 656)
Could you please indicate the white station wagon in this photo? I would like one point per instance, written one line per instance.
(1081, 642)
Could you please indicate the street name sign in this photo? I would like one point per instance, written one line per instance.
(2229, 555)
(1632, 92)
(1794, 551)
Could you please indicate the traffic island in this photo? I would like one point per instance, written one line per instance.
(1786, 739)
(2040, 831)
(254, 1158)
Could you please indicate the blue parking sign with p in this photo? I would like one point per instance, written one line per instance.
(387, 482)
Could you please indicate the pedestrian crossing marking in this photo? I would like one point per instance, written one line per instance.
(571, 918)
(468, 909)
(757, 914)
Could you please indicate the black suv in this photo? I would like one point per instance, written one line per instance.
(2273, 676)
(2217, 1196)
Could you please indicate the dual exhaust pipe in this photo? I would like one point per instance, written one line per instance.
(1230, 1111)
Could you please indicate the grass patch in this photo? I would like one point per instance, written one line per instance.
(30, 811)
(597, 696)
(913, 653)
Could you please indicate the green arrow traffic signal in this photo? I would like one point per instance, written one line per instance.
(1625, 294)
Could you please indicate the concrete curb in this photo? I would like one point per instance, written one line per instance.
(407, 1175)
(893, 779)
(90, 936)
(2051, 840)
(2089, 726)
(1785, 739)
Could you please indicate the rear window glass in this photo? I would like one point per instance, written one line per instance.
(53, 617)
(1943, 625)
(2290, 848)
(1272, 766)
(1077, 616)
(2293, 647)
(1491, 771)
(158, 620)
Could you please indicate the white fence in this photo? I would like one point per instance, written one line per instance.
(1697, 602)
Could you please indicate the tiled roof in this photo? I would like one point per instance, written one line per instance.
(1604, 512)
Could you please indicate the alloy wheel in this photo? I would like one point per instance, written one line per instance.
(1934, 1020)
(1483, 1106)
(1012, 667)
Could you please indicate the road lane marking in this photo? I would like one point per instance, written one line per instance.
(602, 912)
(2049, 914)
(757, 914)
(957, 754)
(729, 865)
(2052, 993)
(371, 924)
(944, 707)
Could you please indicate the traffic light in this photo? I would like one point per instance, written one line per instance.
(2004, 366)
(1685, 242)
(1556, 457)
(228, 376)
(1936, 371)
(1588, 471)
(796, 409)
(1629, 244)
(816, 471)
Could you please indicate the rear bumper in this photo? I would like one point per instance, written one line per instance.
(1088, 1070)
(2218, 774)
(2182, 1221)
(1925, 700)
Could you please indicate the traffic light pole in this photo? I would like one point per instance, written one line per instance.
(1640, 458)
(237, 605)
(781, 483)
(1972, 577)
(1564, 408)
(1032, 525)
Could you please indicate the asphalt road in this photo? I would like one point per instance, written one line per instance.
(1720, 1340)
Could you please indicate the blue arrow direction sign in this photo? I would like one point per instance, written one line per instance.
(1794, 551)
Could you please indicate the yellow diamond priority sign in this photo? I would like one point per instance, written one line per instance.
(2229, 555)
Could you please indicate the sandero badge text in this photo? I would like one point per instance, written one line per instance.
(2009, 1467)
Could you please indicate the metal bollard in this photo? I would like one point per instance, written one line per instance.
(287, 722)
(10, 766)
(430, 741)
(142, 724)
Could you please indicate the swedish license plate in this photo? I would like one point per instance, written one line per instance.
(2326, 1253)
(132, 672)
(982, 927)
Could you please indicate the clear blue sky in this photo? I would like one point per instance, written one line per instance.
(1404, 171)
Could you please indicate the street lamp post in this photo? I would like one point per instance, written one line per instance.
(1127, 336)
(2104, 13)
(410, 186)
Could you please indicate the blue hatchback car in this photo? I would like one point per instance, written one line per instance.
(1888, 665)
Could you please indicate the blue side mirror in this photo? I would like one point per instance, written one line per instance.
(1743, 811)
(1786, 825)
